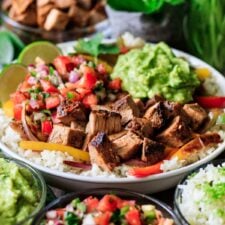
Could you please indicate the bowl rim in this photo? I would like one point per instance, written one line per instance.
(183, 181)
(123, 191)
(41, 184)
(126, 180)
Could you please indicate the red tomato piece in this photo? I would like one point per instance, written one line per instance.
(83, 91)
(103, 219)
(46, 127)
(91, 203)
(108, 203)
(17, 97)
(90, 100)
(17, 111)
(52, 102)
(48, 86)
(115, 84)
(133, 217)
(101, 69)
(211, 101)
(63, 64)
(36, 104)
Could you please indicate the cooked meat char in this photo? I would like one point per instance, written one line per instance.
(76, 125)
(105, 121)
(140, 126)
(141, 106)
(67, 136)
(176, 135)
(196, 114)
(127, 108)
(70, 111)
(152, 151)
(115, 136)
(102, 153)
(127, 145)
(172, 109)
(153, 100)
(18, 127)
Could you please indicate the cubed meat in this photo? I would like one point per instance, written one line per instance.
(78, 16)
(69, 111)
(172, 109)
(41, 3)
(66, 136)
(20, 6)
(105, 121)
(42, 12)
(127, 109)
(176, 135)
(127, 145)
(198, 116)
(56, 20)
(140, 104)
(62, 4)
(140, 126)
(102, 153)
(152, 151)
(78, 125)
(115, 136)
(153, 100)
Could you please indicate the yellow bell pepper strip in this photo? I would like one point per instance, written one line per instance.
(40, 146)
(8, 108)
(203, 73)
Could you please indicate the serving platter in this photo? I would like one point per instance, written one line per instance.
(151, 184)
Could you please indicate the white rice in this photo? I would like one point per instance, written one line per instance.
(202, 202)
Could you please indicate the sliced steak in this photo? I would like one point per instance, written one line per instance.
(105, 121)
(176, 135)
(102, 153)
(127, 145)
(197, 115)
(127, 108)
(140, 126)
(152, 151)
(67, 136)
(69, 111)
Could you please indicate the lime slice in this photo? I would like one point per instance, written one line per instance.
(43, 49)
(10, 78)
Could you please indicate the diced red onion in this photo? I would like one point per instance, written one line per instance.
(52, 214)
(74, 76)
(42, 68)
(31, 80)
(83, 166)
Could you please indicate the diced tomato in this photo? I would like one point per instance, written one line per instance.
(126, 203)
(103, 219)
(91, 203)
(101, 69)
(48, 86)
(46, 127)
(78, 60)
(18, 98)
(133, 217)
(63, 64)
(124, 49)
(108, 203)
(36, 104)
(211, 101)
(90, 100)
(60, 212)
(115, 84)
(52, 102)
(24, 86)
(17, 111)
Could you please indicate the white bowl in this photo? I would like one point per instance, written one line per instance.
(151, 184)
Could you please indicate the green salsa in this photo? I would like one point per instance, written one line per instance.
(19, 194)
(155, 70)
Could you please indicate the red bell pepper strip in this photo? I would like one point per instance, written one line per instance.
(211, 101)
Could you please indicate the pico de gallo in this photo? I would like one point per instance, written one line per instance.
(110, 209)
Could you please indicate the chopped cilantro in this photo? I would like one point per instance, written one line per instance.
(70, 95)
(91, 64)
(81, 207)
(72, 219)
(45, 95)
(46, 111)
(75, 202)
(51, 70)
(33, 73)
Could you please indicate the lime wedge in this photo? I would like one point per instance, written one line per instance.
(10, 78)
(43, 49)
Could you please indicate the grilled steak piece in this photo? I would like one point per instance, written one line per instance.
(153, 100)
(76, 125)
(67, 136)
(127, 145)
(141, 106)
(127, 108)
(70, 111)
(152, 151)
(115, 136)
(18, 127)
(102, 153)
(105, 121)
(196, 114)
(140, 126)
(176, 135)
(156, 115)
(172, 109)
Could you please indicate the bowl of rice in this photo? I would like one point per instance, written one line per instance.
(200, 197)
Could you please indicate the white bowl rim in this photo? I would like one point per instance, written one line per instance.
(123, 180)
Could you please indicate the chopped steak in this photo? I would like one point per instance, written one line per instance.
(66, 136)
(196, 114)
(177, 134)
(172, 109)
(69, 111)
(18, 127)
(140, 105)
(115, 136)
(105, 121)
(127, 145)
(156, 115)
(76, 125)
(141, 126)
(127, 108)
(153, 100)
(102, 153)
(86, 141)
(152, 151)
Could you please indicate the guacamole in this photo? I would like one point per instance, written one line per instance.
(19, 195)
(155, 70)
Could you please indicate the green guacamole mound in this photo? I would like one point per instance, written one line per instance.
(155, 70)
(19, 194)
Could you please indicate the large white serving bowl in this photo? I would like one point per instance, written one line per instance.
(151, 184)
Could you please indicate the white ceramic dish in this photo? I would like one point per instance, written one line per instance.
(152, 184)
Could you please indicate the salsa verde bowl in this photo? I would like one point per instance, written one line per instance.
(124, 194)
(150, 184)
(28, 181)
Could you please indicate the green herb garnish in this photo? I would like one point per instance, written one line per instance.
(72, 219)
(70, 95)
